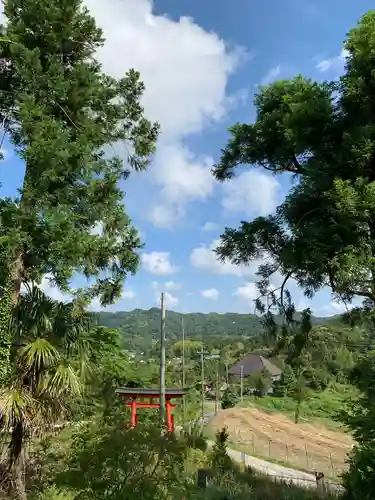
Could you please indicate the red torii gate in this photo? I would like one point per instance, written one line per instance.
(131, 397)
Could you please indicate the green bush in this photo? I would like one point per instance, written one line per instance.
(359, 481)
(108, 461)
(230, 399)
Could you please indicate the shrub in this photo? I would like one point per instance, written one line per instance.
(108, 461)
(230, 399)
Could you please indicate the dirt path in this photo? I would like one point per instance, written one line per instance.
(271, 435)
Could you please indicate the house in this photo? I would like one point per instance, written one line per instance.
(255, 363)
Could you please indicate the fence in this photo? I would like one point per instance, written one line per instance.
(316, 481)
(309, 457)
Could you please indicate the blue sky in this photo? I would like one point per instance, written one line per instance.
(201, 62)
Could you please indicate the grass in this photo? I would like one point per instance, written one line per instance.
(321, 407)
(245, 486)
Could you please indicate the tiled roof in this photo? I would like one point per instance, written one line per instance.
(254, 363)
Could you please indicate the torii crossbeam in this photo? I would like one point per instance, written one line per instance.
(147, 397)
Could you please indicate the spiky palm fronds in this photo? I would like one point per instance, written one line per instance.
(50, 352)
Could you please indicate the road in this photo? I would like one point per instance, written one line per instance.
(278, 472)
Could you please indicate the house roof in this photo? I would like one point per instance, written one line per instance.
(254, 363)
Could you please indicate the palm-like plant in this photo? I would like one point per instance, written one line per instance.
(48, 354)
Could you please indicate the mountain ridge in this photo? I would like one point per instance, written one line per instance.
(140, 326)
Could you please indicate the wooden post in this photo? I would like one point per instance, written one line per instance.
(162, 363)
(320, 485)
(307, 456)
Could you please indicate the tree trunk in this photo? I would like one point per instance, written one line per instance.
(18, 491)
(296, 414)
(18, 487)
(17, 273)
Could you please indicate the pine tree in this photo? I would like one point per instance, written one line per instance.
(63, 116)
(286, 383)
(221, 461)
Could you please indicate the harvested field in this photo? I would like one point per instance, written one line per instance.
(270, 435)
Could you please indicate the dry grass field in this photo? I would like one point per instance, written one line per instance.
(306, 446)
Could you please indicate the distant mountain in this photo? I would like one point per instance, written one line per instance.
(141, 326)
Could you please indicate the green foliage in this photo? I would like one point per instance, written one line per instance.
(53, 493)
(261, 382)
(61, 112)
(140, 330)
(109, 368)
(6, 309)
(46, 369)
(323, 232)
(300, 393)
(220, 460)
(107, 460)
(284, 386)
(359, 417)
(194, 439)
(321, 406)
(139, 324)
(230, 398)
(359, 481)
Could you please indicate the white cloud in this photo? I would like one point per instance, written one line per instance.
(271, 75)
(210, 293)
(336, 63)
(210, 226)
(182, 178)
(158, 263)
(186, 85)
(334, 307)
(247, 292)
(252, 193)
(170, 300)
(171, 285)
(164, 215)
(128, 294)
(49, 288)
(168, 285)
(205, 258)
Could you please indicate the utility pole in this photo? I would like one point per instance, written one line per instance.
(162, 362)
(241, 383)
(217, 386)
(183, 363)
(202, 372)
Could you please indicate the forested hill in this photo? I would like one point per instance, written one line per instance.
(145, 324)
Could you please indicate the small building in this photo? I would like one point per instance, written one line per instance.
(255, 363)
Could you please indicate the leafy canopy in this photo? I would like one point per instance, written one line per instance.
(323, 134)
(64, 117)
